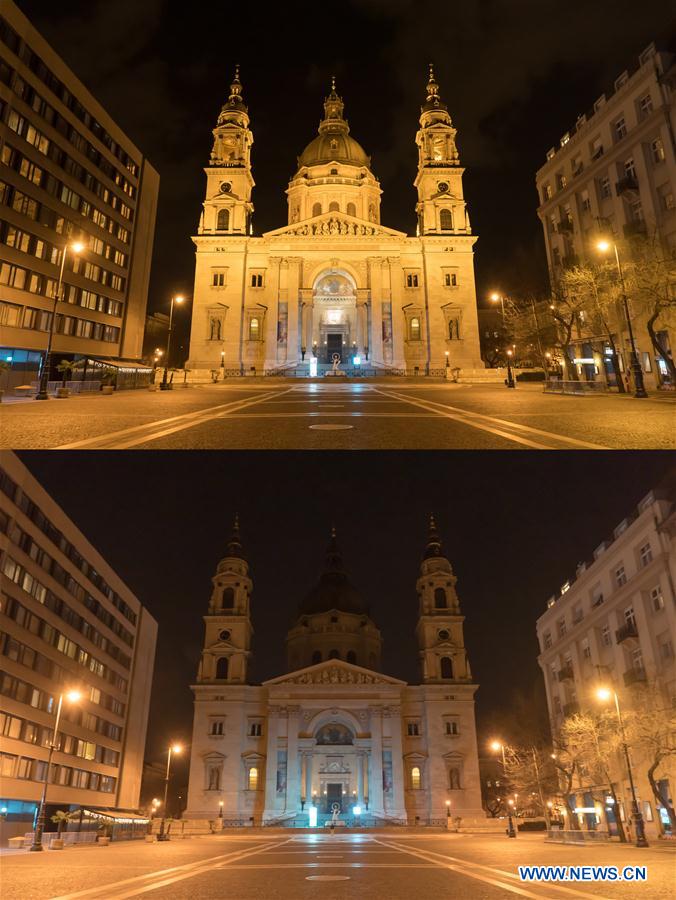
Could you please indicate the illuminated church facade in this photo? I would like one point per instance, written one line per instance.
(334, 279)
(334, 731)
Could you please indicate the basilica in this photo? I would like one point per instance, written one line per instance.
(334, 283)
(334, 734)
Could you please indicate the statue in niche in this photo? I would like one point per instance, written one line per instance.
(214, 778)
(215, 328)
(454, 779)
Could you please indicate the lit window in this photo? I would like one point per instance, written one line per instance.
(254, 328)
(657, 151)
(253, 778)
(415, 778)
(547, 640)
(415, 329)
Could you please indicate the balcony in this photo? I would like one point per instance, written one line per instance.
(628, 632)
(626, 184)
(566, 674)
(631, 229)
(571, 709)
(634, 676)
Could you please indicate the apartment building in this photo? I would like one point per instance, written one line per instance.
(67, 172)
(67, 621)
(614, 623)
(614, 174)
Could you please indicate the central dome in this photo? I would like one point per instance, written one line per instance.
(333, 143)
(334, 590)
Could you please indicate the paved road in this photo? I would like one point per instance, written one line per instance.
(285, 866)
(375, 415)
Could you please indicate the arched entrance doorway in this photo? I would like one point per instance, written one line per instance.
(334, 317)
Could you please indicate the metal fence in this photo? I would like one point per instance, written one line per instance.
(558, 386)
(577, 837)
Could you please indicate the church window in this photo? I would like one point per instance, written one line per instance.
(440, 598)
(416, 780)
(217, 727)
(316, 657)
(224, 635)
(257, 279)
(413, 729)
(411, 280)
(223, 220)
(446, 220)
(351, 209)
(351, 657)
(446, 667)
(218, 279)
(255, 729)
(334, 206)
(317, 209)
(334, 171)
(254, 328)
(228, 599)
(454, 779)
(222, 667)
(452, 727)
(253, 779)
(334, 654)
(451, 279)
(414, 329)
(443, 635)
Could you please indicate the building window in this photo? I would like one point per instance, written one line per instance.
(334, 206)
(665, 196)
(446, 667)
(646, 554)
(605, 636)
(218, 279)
(561, 181)
(620, 128)
(253, 779)
(620, 576)
(630, 168)
(440, 598)
(450, 279)
(413, 729)
(561, 627)
(217, 727)
(333, 654)
(257, 280)
(351, 209)
(645, 105)
(577, 615)
(411, 280)
(316, 657)
(446, 220)
(416, 780)
(414, 329)
(317, 209)
(255, 729)
(586, 649)
(630, 617)
(254, 328)
(222, 668)
(666, 646)
(452, 727)
(657, 598)
(604, 187)
(657, 151)
(223, 222)
(585, 201)
(547, 640)
(547, 192)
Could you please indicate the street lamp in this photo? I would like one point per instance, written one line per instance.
(176, 299)
(75, 248)
(604, 695)
(495, 298)
(71, 697)
(174, 748)
(220, 809)
(447, 354)
(495, 746)
(639, 387)
(448, 814)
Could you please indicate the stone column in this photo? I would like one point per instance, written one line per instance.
(376, 774)
(308, 777)
(271, 764)
(309, 314)
(303, 776)
(294, 285)
(360, 779)
(398, 320)
(272, 315)
(376, 285)
(365, 775)
(292, 762)
(399, 805)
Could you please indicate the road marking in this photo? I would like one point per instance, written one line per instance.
(180, 423)
(476, 420)
(330, 427)
(327, 878)
(181, 872)
(450, 861)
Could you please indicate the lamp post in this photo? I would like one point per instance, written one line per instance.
(174, 748)
(495, 746)
(71, 697)
(176, 299)
(76, 247)
(639, 386)
(220, 809)
(510, 378)
(604, 694)
(448, 814)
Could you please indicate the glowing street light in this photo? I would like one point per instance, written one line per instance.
(173, 748)
(178, 298)
(498, 746)
(604, 246)
(71, 696)
(498, 298)
(605, 694)
(76, 247)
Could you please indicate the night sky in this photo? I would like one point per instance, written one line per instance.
(514, 73)
(513, 526)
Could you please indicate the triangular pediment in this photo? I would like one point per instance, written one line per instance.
(335, 671)
(335, 225)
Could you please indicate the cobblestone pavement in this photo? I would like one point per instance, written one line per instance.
(383, 414)
(379, 865)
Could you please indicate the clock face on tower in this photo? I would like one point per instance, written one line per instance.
(226, 187)
(442, 187)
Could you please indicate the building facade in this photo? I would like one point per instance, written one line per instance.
(615, 624)
(67, 621)
(334, 280)
(334, 729)
(66, 168)
(614, 174)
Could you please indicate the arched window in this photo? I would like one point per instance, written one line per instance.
(415, 778)
(351, 657)
(446, 667)
(228, 598)
(333, 654)
(253, 778)
(415, 329)
(317, 209)
(372, 212)
(439, 598)
(222, 667)
(351, 209)
(334, 206)
(454, 779)
(223, 219)
(316, 657)
(446, 220)
(254, 328)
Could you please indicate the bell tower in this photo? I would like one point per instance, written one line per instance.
(228, 208)
(440, 624)
(228, 629)
(441, 206)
